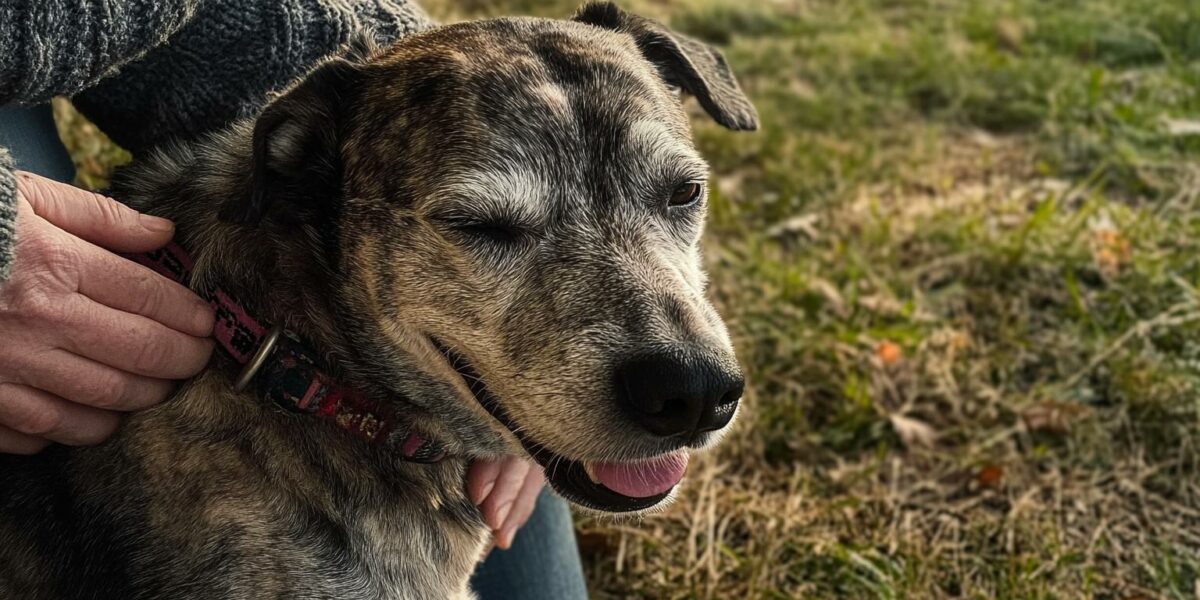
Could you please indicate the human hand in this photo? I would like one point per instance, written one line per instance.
(88, 334)
(506, 492)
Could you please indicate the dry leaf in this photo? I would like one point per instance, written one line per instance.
(888, 352)
(990, 476)
(912, 431)
(1111, 250)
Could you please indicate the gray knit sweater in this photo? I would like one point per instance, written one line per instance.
(147, 71)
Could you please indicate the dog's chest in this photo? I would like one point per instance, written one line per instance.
(394, 551)
(412, 551)
(332, 519)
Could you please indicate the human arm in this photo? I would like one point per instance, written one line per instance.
(60, 47)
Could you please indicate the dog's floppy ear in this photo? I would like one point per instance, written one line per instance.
(695, 67)
(296, 141)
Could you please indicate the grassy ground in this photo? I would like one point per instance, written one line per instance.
(961, 263)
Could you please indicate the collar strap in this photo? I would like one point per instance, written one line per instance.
(285, 370)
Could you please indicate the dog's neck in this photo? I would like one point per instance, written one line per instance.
(279, 271)
(274, 269)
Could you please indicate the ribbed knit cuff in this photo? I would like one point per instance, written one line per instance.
(8, 213)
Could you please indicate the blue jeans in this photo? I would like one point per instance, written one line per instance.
(543, 563)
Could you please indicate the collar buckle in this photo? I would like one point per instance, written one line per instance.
(260, 357)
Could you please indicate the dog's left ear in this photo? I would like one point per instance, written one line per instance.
(693, 66)
(296, 154)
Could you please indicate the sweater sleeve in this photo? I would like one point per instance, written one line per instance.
(223, 63)
(8, 212)
(59, 47)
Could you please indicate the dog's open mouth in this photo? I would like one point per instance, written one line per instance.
(599, 485)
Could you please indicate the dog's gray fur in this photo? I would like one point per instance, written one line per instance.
(498, 185)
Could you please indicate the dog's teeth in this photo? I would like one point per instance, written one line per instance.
(587, 468)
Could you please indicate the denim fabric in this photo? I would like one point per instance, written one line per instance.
(29, 134)
(543, 563)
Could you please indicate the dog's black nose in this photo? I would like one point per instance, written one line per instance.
(677, 394)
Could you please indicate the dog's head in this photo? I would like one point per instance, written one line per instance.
(512, 209)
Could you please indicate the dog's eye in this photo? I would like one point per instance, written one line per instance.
(686, 194)
(499, 233)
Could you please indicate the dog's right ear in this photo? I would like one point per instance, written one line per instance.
(296, 140)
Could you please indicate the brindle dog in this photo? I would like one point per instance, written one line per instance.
(492, 226)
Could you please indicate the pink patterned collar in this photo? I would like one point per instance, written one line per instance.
(288, 372)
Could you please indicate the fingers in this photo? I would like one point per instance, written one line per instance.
(87, 382)
(85, 333)
(126, 286)
(499, 502)
(93, 217)
(481, 477)
(129, 342)
(522, 507)
(506, 492)
(35, 413)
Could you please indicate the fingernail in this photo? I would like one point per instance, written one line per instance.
(502, 512)
(483, 494)
(505, 539)
(156, 224)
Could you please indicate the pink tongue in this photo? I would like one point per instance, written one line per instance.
(644, 478)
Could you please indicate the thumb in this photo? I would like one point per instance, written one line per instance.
(95, 218)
